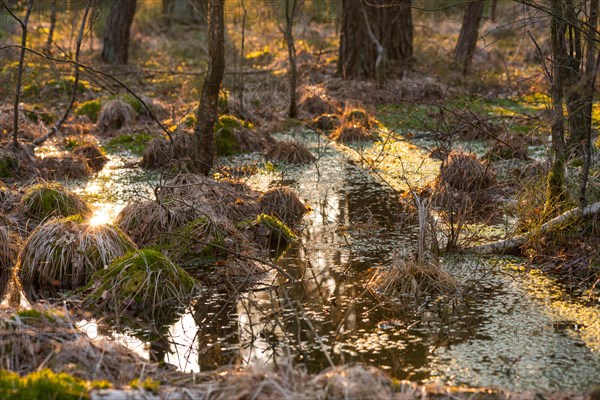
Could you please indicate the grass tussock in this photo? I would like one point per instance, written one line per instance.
(44, 337)
(147, 222)
(9, 198)
(46, 200)
(313, 104)
(64, 253)
(93, 156)
(10, 245)
(464, 172)
(64, 167)
(114, 115)
(407, 277)
(284, 204)
(19, 163)
(231, 200)
(234, 136)
(160, 153)
(326, 122)
(356, 126)
(290, 152)
(142, 282)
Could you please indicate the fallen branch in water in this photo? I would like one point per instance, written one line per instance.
(512, 244)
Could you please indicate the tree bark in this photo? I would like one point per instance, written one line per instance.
(24, 23)
(117, 31)
(469, 32)
(53, 11)
(290, 14)
(390, 22)
(207, 114)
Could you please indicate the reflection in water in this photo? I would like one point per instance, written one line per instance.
(499, 335)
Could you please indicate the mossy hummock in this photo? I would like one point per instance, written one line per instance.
(46, 384)
(64, 253)
(142, 282)
(46, 200)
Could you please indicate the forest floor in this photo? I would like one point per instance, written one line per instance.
(491, 123)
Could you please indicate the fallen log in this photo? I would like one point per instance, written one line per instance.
(511, 245)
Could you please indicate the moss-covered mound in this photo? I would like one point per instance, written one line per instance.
(290, 152)
(114, 115)
(234, 136)
(150, 222)
(143, 282)
(64, 167)
(92, 154)
(284, 204)
(313, 104)
(202, 242)
(46, 384)
(64, 253)
(268, 232)
(46, 200)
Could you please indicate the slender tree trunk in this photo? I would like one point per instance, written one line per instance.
(24, 23)
(53, 10)
(395, 28)
(290, 13)
(117, 31)
(469, 32)
(591, 71)
(208, 110)
(242, 55)
(555, 183)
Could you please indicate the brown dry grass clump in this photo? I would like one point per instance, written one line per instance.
(47, 338)
(284, 204)
(146, 222)
(92, 154)
(65, 252)
(326, 122)
(508, 151)
(231, 200)
(464, 172)
(17, 163)
(313, 104)
(10, 245)
(64, 167)
(9, 198)
(290, 152)
(114, 115)
(405, 276)
(160, 153)
(357, 126)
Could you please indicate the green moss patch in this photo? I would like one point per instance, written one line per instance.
(280, 235)
(134, 143)
(142, 282)
(91, 109)
(46, 384)
(46, 200)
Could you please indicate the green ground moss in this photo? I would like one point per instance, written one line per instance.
(142, 281)
(147, 384)
(226, 142)
(281, 234)
(90, 108)
(47, 385)
(8, 165)
(49, 199)
(134, 143)
(198, 243)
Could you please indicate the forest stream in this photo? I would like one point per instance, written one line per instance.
(513, 334)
